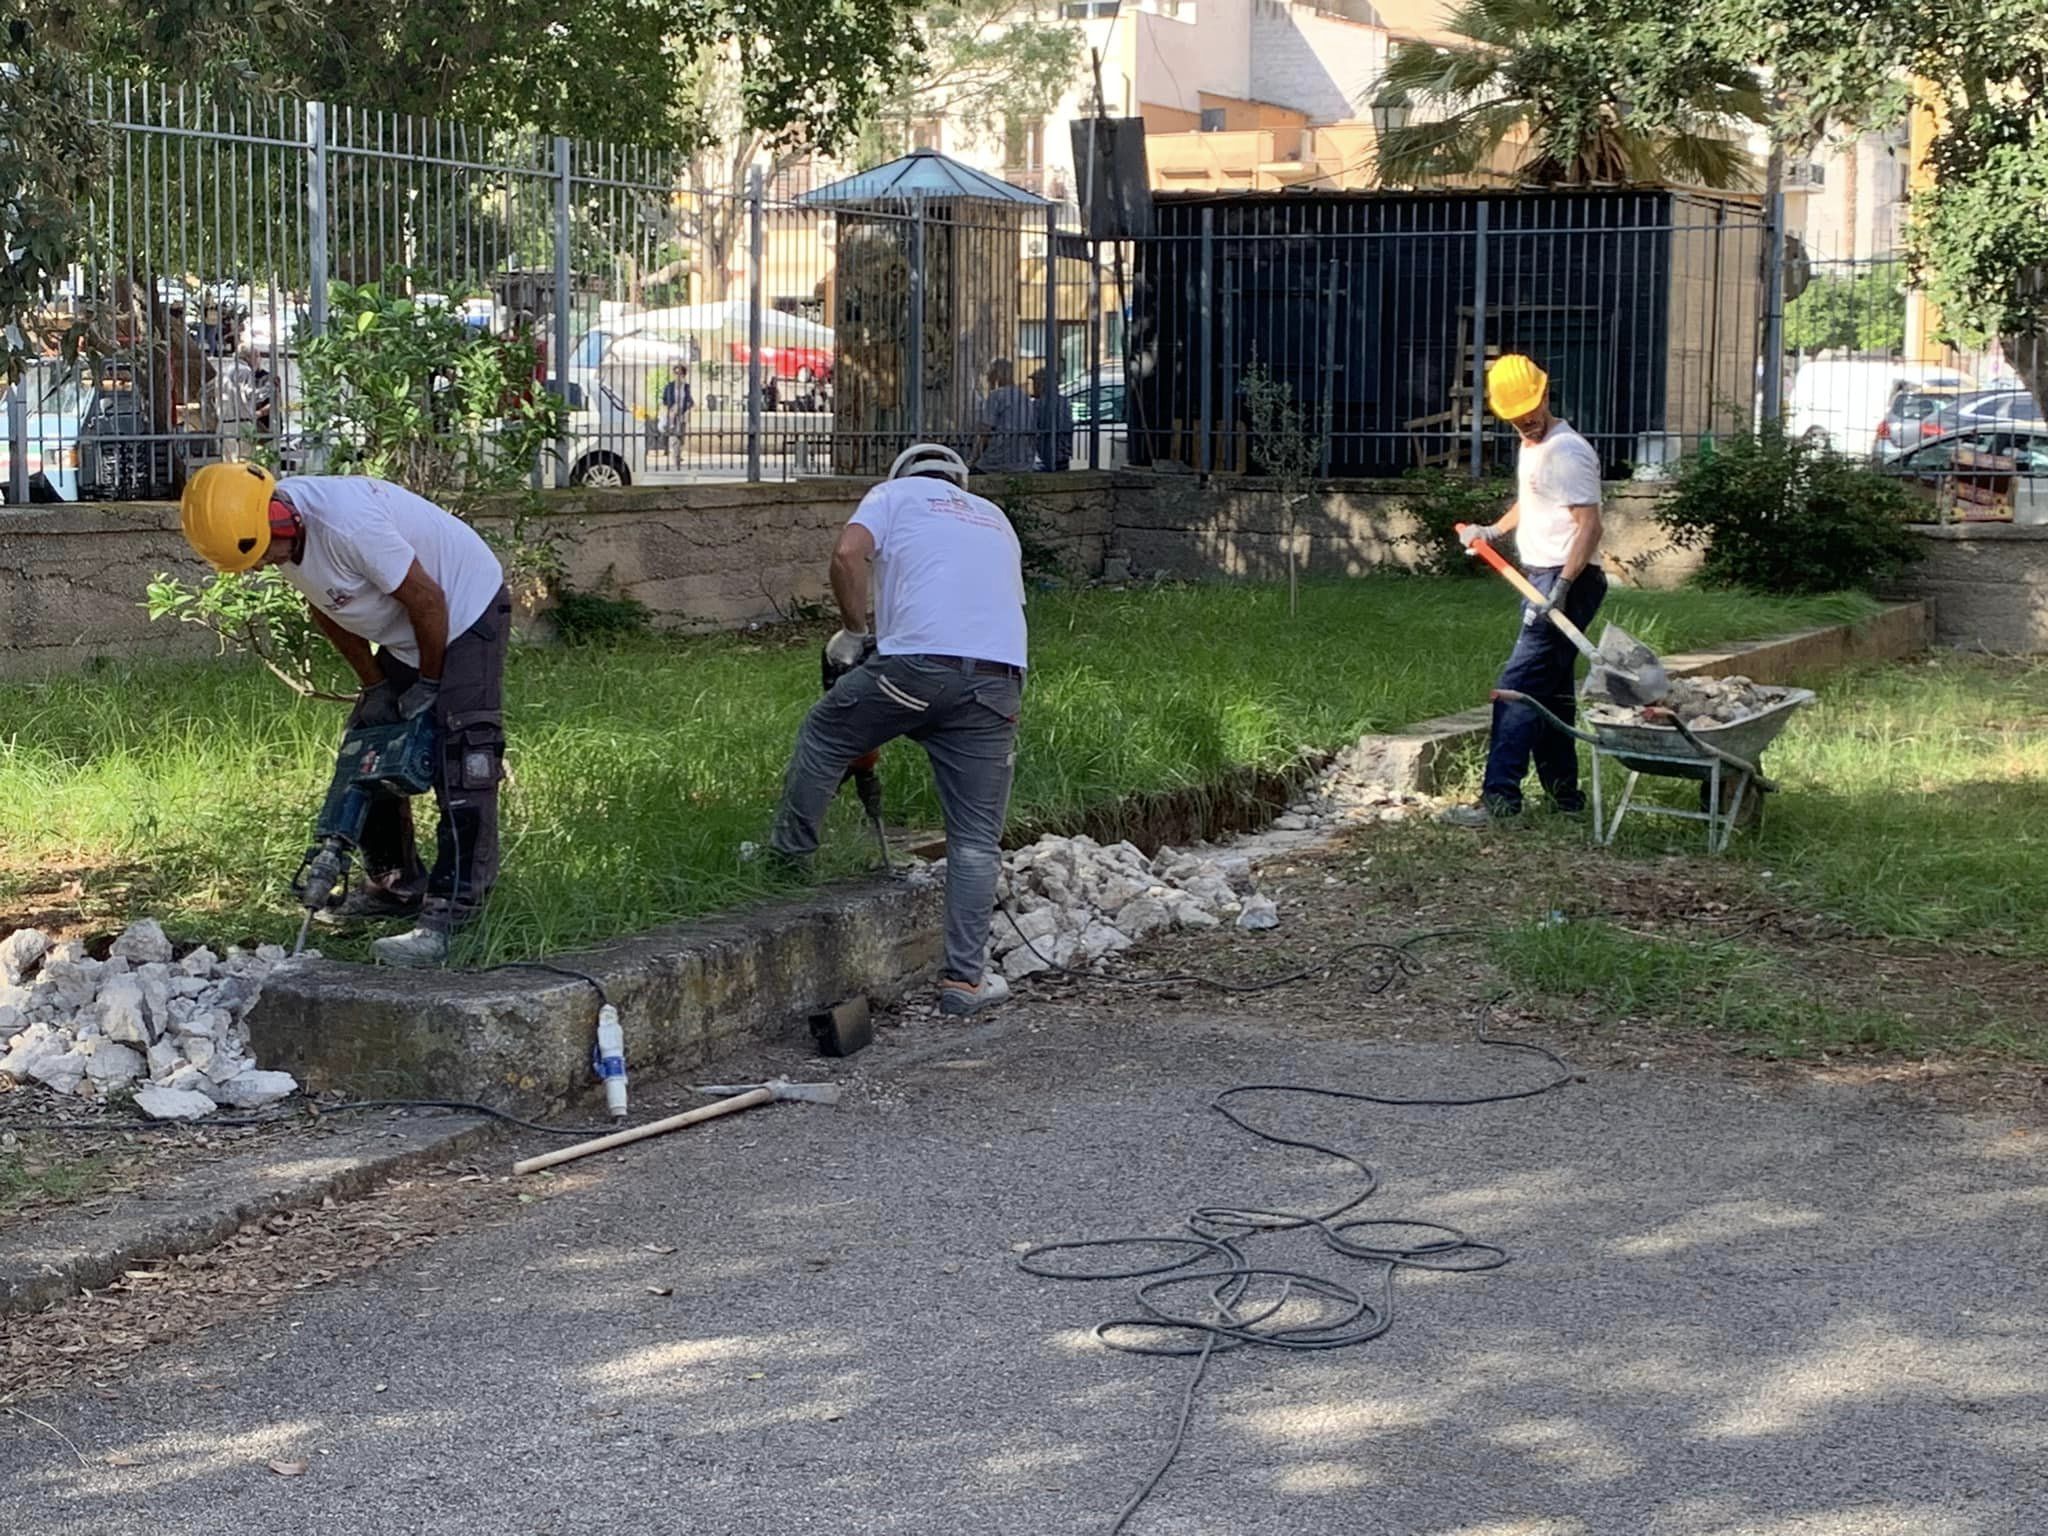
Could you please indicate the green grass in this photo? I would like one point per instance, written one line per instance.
(187, 791)
(1914, 804)
(1710, 983)
(41, 1170)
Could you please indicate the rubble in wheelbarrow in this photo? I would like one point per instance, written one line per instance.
(1703, 703)
(167, 1029)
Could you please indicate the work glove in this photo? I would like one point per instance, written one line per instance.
(1554, 603)
(848, 648)
(377, 705)
(1477, 533)
(419, 698)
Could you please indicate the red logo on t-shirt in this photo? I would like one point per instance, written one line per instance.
(338, 598)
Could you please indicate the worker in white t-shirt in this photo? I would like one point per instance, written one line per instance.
(1555, 519)
(943, 665)
(416, 604)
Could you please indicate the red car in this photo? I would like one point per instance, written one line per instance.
(788, 362)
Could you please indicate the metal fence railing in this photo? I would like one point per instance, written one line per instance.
(703, 330)
(1869, 370)
(695, 330)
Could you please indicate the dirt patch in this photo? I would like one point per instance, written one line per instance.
(1973, 1016)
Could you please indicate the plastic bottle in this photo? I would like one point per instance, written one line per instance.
(608, 1060)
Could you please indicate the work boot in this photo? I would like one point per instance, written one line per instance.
(371, 904)
(957, 1000)
(420, 947)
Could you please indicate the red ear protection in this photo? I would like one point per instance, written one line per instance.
(284, 522)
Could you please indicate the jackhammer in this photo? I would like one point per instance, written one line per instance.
(867, 784)
(375, 761)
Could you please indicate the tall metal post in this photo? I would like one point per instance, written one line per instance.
(564, 172)
(17, 441)
(1478, 342)
(1049, 455)
(1204, 454)
(1774, 287)
(914, 417)
(1094, 355)
(316, 215)
(1328, 410)
(757, 245)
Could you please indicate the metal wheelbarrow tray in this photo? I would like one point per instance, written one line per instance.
(1724, 760)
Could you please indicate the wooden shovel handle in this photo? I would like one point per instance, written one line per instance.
(1484, 549)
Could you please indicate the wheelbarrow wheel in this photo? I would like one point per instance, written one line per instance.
(1742, 814)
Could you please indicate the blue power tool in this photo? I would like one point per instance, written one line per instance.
(375, 761)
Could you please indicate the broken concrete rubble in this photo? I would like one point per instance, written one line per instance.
(87, 1027)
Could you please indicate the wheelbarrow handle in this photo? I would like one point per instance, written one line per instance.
(1707, 748)
(1512, 696)
(1522, 584)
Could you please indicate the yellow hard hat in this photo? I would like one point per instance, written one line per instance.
(225, 512)
(1515, 386)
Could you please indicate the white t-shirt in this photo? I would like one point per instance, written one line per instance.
(949, 575)
(362, 536)
(1552, 477)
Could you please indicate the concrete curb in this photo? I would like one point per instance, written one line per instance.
(1418, 757)
(89, 1246)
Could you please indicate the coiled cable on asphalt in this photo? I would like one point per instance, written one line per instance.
(1207, 1255)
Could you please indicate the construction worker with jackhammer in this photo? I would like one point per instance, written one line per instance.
(1555, 519)
(943, 664)
(416, 604)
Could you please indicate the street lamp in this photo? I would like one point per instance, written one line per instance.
(1388, 117)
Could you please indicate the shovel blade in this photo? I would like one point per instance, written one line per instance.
(1626, 670)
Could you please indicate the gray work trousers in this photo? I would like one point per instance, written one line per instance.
(964, 715)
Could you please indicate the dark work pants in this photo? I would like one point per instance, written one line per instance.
(1541, 665)
(964, 714)
(470, 714)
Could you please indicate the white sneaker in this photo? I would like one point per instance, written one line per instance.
(420, 947)
(957, 1003)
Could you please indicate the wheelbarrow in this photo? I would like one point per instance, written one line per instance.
(1722, 760)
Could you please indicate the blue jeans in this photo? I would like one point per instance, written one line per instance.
(964, 715)
(1541, 665)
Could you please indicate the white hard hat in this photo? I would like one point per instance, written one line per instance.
(929, 459)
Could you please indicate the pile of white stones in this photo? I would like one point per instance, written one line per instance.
(169, 1030)
(1076, 901)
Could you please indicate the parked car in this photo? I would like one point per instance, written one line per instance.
(1936, 469)
(1915, 416)
(54, 401)
(1985, 409)
(1843, 402)
(1099, 406)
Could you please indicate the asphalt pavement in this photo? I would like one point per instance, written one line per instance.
(1789, 1310)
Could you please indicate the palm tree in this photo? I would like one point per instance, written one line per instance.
(1598, 91)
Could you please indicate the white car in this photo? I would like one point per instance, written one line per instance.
(1842, 402)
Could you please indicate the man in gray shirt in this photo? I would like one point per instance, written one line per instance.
(1006, 438)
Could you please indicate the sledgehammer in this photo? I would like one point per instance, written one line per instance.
(765, 1093)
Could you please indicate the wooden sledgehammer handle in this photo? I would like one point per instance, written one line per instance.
(1522, 584)
(731, 1106)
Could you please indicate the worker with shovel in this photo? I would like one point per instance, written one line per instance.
(944, 666)
(1555, 519)
(381, 567)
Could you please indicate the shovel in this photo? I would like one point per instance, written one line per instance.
(1623, 668)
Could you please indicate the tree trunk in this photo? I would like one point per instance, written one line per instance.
(2028, 353)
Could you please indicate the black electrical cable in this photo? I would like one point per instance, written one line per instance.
(1208, 1246)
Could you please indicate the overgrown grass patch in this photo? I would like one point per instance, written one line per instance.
(187, 791)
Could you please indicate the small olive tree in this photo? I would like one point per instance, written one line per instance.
(1287, 448)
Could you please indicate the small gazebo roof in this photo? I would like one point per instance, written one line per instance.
(921, 173)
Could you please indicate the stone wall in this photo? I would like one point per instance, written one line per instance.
(1989, 586)
(713, 556)
(1232, 530)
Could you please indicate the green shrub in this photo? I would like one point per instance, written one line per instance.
(1784, 514)
(589, 618)
(1439, 500)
